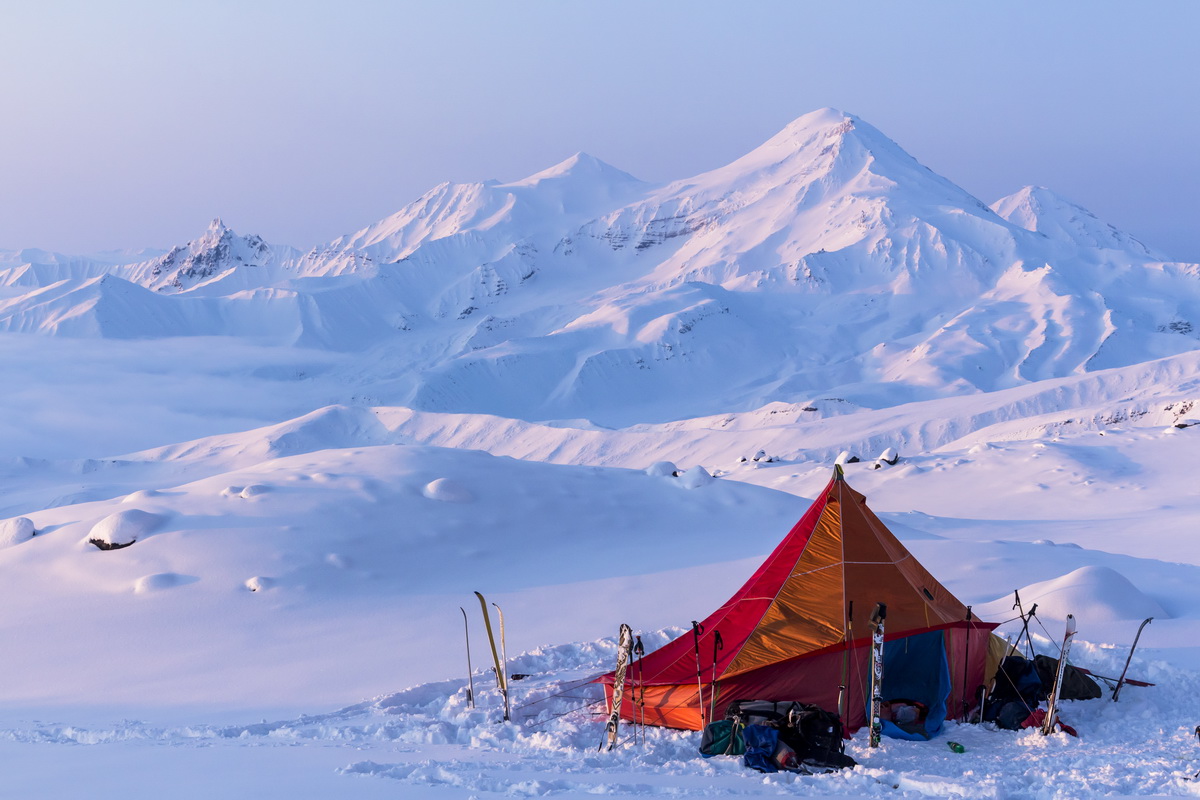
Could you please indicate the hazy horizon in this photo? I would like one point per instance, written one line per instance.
(135, 124)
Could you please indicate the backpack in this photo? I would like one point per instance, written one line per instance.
(762, 742)
(1016, 693)
(806, 735)
(722, 738)
(1075, 685)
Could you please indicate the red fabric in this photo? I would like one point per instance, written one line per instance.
(965, 695)
(669, 674)
(675, 662)
(1038, 718)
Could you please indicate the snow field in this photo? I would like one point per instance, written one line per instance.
(596, 400)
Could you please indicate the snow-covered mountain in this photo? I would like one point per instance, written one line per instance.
(826, 261)
(1038, 209)
(301, 465)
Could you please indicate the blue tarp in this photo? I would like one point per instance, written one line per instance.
(915, 668)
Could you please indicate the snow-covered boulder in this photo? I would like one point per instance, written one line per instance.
(845, 457)
(662, 469)
(123, 528)
(887, 458)
(696, 477)
(16, 530)
(447, 491)
(253, 490)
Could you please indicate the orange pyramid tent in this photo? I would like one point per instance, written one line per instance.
(798, 630)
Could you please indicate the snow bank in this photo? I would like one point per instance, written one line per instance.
(662, 469)
(1092, 594)
(123, 528)
(16, 530)
(696, 477)
(140, 495)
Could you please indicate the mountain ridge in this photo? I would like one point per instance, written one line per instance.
(827, 259)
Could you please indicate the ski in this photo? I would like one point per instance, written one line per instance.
(624, 647)
(501, 678)
(1122, 680)
(876, 621)
(503, 658)
(470, 672)
(1052, 700)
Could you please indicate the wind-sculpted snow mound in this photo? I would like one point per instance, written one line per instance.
(1092, 594)
(370, 545)
(16, 530)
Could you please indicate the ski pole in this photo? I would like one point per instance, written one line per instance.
(718, 646)
(1197, 775)
(640, 703)
(1025, 631)
(697, 632)
(1121, 680)
(470, 672)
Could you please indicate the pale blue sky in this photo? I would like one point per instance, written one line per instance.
(129, 124)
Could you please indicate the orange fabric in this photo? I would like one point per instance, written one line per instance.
(666, 706)
(785, 630)
(802, 617)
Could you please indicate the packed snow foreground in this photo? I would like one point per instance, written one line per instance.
(247, 486)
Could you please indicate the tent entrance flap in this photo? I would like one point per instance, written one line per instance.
(916, 668)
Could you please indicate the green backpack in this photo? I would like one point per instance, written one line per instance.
(722, 738)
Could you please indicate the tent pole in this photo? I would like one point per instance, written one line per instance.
(966, 666)
(846, 637)
(697, 632)
(718, 646)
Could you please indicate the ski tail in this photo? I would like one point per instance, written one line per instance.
(501, 678)
(1052, 701)
(877, 627)
(624, 648)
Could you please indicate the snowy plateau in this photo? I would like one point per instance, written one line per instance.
(247, 488)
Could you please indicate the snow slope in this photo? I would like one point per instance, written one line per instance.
(246, 490)
(825, 260)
